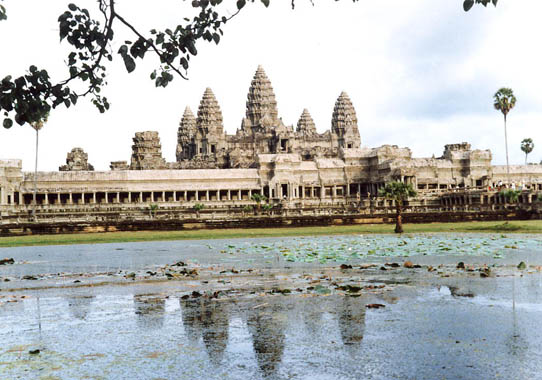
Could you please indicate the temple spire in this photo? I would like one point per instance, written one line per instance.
(306, 125)
(209, 114)
(261, 99)
(344, 122)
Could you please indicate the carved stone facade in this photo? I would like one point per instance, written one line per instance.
(147, 152)
(294, 168)
(77, 160)
(202, 142)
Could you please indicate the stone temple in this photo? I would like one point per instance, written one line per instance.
(294, 167)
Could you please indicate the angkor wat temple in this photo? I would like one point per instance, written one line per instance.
(296, 167)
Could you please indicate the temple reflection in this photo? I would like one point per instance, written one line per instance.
(79, 306)
(351, 322)
(267, 327)
(150, 310)
(208, 319)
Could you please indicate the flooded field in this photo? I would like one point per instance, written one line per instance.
(421, 333)
(269, 252)
(343, 307)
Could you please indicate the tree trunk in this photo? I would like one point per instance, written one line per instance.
(398, 218)
(506, 148)
(35, 178)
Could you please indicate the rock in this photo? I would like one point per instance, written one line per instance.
(408, 264)
(131, 275)
(34, 352)
(522, 265)
(460, 265)
(485, 272)
(383, 268)
(374, 306)
(28, 277)
(346, 266)
(393, 265)
(7, 261)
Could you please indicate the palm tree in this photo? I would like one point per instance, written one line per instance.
(527, 146)
(258, 198)
(504, 100)
(399, 192)
(37, 125)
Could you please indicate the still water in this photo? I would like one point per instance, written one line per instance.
(481, 329)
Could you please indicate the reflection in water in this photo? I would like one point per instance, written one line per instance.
(516, 343)
(313, 317)
(150, 310)
(266, 326)
(79, 306)
(352, 322)
(209, 319)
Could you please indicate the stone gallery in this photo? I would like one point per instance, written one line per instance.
(294, 167)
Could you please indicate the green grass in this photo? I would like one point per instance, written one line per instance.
(530, 226)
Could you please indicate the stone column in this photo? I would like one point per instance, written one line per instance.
(93, 197)
(164, 196)
(249, 194)
(140, 197)
(46, 199)
(229, 195)
(152, 196)
(239, 195)
(129, 197)
(174, 196)
(118, 197)
(83, 198)
(197, 195)
(71, 198)
(207, 195)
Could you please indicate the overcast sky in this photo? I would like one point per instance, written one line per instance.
(420, 73)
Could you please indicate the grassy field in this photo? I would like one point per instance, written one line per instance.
(530, 226)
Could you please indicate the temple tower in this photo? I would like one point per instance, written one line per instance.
(210, 129)
(261, 112)
(305, 125)
(344, 123)
(147, 152)
(186, 134)
(76, 160)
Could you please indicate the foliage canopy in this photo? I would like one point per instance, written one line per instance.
(30, 97)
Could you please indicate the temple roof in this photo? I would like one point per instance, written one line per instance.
(188, 121)
(209, 113)
(344, 115)
(306, 125)
(261, 98)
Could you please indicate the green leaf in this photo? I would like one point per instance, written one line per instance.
(129, 63)
(241, 4)
(266, 3)
(321, 289)
(72, 7)
(467, 5)
(8, 123)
